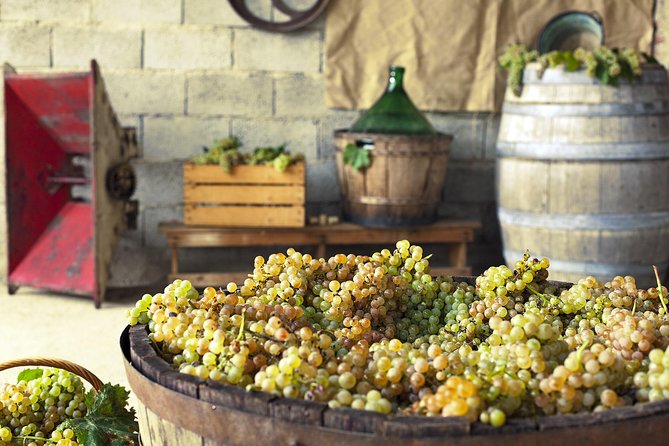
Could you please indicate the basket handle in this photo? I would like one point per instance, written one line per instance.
(58, 363)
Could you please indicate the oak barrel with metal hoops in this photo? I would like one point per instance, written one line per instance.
(403, 184)
(175, 408)
(582, 174)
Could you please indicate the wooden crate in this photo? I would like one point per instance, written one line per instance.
(248, 196)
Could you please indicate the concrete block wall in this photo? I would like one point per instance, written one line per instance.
(187, 71)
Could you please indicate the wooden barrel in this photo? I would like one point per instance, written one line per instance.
(178, 409)
(582, 174)
(403, 185)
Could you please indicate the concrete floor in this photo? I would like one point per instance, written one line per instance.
(34, 323)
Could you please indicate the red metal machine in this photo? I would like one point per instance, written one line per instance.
(68, 182)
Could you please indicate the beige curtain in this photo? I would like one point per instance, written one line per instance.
(450, 47)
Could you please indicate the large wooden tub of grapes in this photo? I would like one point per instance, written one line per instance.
(365, 350)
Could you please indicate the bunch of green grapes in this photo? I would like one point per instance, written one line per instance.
(223, 152)
(653, 382)
(623, 293)
(30, 412)
(456, 397)
(581, 297)
(514, 59)
(505, 293)
(588, 60)
(441, 306)
(632, 58)
(587, 379)
(607, 59)
(605, 64)
(633, 335)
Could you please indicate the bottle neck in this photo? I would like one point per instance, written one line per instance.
(395, 77)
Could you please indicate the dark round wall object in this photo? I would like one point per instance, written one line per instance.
(121, 181)
(297, 18)
(570, 30)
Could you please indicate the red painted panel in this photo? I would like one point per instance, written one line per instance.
(61, 103)
(31, 154)
(62, 258)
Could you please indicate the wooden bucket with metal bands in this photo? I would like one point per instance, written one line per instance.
(403, 184)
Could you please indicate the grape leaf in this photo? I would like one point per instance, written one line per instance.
(649, 58)
(111, 400)
(356, 157)
(102, 430)
(89, 398)
(29, 375)
(570, 62)
(108, 420)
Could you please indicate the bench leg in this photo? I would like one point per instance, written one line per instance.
(457, 254)
(320, 251)
(175, 260)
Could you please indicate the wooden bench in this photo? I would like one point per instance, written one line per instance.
(453, 233)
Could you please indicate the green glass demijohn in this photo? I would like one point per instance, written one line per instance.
(394, 112)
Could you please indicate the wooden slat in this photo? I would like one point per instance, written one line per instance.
(238, 194)
(515, 174)
(247, 216)
(232, 237)
(161, 431)
(294, 174)
(343, 233)
(633, 184)
(574, 187)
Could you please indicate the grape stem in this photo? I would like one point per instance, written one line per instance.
(240, 335)
(659, 289)
(31, 437)
(579, 352)
(535, 292)
(327, 332)
(260, 335)
(157, 347)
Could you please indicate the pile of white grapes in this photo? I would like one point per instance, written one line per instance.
(31, 412)
(380, 333)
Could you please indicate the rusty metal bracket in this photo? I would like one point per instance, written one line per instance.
(298, 18)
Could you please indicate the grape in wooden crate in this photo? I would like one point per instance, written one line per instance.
(257, 196)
